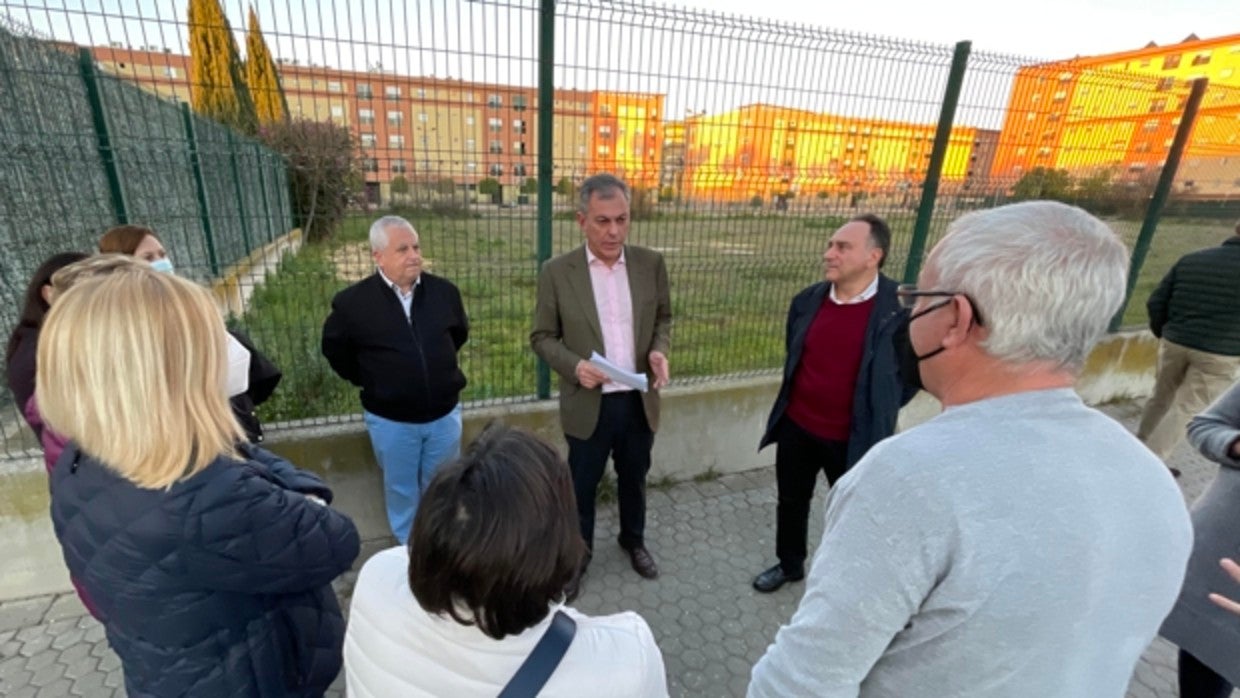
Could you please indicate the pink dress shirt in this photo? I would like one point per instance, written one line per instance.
(615, 313)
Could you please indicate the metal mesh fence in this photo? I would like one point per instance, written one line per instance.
(747, 143)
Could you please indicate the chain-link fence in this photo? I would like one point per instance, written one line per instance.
(747, 142)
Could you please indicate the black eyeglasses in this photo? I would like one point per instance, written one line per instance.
(909, 293)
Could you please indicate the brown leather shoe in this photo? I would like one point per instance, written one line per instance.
(643, 562)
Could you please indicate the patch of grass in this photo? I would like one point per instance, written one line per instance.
(731, 281)
(709, 475)
(662, 484)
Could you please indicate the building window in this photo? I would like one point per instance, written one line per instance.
(604, 150)
(1151, 124)
(370, 165)
(1158, 105)
(604, 110)
(398, 166)
(337, 111)
(496, 170)
(518, 102)
(365, 117)
(471, 167)
(518, 126)
(334, 86)
(1165, 84)
(1060, 96)
(518, 147)
(421, 93)
(604, 132)
(495, 124)
(1172, 61)
(496, 147)
(518, 170)
(470, 145)
(1201, 58)
(170, 72)
(422, 117)
(391, 92)
(581, 128)
(368, 140)
(363, 91)
(495, 101)
(469, 121)
(396, 141)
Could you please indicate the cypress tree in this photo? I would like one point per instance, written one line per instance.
(217, 83)
(261, 76)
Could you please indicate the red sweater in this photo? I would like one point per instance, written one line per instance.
(826, 377)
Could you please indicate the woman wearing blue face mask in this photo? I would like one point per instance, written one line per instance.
(142, 242)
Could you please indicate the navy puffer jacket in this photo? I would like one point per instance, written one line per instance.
(218, 586)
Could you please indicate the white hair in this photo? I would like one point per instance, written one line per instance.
(379, 234)
(1046, 278)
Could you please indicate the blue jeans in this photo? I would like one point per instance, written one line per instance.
(410, 455)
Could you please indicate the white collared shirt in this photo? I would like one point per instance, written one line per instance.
(406, 299)
(869, 292)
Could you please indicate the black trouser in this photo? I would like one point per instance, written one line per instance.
(799, 456)
(1200, 681)
(624, 435)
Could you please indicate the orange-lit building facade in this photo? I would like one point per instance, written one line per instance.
(1119, 113)
(765, 150)
(430, 129)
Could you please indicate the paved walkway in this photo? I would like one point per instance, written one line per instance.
(710, 538)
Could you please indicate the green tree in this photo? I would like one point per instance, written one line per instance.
(756, 201)
(323, 174)
(445, 186)
(564, 187)
(261, 76)
(399, 185)
(488, 186)
(1043, 183)
(529, 186)
(217, 81)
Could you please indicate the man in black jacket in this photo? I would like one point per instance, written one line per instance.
(396, 335)
(842, 389)
(1195, 313)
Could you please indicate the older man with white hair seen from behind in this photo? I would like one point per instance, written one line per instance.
(395, 335)
(1020, 543)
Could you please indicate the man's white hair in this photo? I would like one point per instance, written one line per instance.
(379, 234)
(1046, 277)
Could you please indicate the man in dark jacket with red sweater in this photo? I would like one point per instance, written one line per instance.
(396, 335)
(842, 389)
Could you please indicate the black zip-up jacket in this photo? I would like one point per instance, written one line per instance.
(407, 369)
(881, 391)
(1197, 305)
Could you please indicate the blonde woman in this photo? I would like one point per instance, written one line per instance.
(209, 562)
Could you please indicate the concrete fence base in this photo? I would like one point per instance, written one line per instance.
(707, 428)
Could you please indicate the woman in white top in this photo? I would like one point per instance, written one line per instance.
(494, 544)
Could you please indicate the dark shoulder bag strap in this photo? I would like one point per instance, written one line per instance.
(540, 665)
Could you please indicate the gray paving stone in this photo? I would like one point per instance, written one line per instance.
(23, 613)
(65, 606)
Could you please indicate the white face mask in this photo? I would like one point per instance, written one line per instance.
(164, 265)
(238, 367)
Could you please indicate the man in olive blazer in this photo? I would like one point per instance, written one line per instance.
(610, 298)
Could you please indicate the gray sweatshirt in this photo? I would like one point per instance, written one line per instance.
(1024, 545)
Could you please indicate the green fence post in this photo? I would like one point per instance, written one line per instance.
(1163, 190)
(546, 104)
(942, 137)
(204, 207)
(90, 76)
(240, 192)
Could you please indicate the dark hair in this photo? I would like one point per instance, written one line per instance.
(124, 239)
(34, 307)
(880, 234)
(496, 533)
